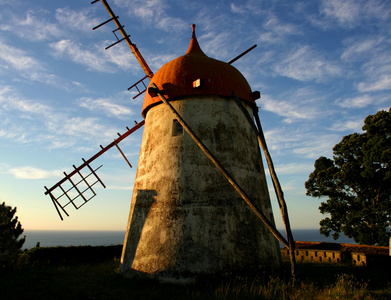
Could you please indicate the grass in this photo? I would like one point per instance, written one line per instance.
(102, 280)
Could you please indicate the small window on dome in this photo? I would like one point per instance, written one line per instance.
(177, 128)
(199, 83)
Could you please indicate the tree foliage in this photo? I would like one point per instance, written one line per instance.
(357, 184)
(10, 230)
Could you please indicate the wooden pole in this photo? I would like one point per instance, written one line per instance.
(154, 90)
(273, 174)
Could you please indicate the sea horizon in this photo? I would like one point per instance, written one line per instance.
(65, 238)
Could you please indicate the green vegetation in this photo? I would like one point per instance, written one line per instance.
(39, 274)
(357, 184)
(10, 230)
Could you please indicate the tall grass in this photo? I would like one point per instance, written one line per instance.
(345, 287)
(40, 276)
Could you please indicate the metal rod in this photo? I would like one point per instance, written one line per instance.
(86, 163)
(242, 54)
(268, 224)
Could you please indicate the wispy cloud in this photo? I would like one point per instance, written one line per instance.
(314, 145)
(300, 107)
(10, 101)
(374, 56)
(349, 125)
(277, 31)
(285, 109)
(153, 13)
(19, 60)
(107, 106)
(98, 59)
(381, 84)
(360, 48)
(344, 12)
(34, 121)
(294, 168)
(19, 64)
(349, 13)
(32, 27)
(356, 102)
(77, 20)
(306, 64)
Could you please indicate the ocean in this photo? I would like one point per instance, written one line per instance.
(54, 238)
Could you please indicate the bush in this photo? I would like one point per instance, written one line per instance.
(10, 230)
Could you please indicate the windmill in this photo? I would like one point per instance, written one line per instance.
(200, 202)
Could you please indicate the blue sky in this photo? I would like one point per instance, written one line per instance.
(321, 67)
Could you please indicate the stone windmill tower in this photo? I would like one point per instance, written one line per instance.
(200, 201)
(185, 217)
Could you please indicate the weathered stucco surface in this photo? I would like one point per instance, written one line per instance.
(185, 218)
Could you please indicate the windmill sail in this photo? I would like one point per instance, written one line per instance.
(75, 188)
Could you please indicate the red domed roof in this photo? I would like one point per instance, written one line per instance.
(176, 78)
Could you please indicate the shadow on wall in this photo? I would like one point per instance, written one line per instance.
(144, 201)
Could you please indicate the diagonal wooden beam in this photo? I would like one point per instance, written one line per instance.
(276, 183)
(153, 89)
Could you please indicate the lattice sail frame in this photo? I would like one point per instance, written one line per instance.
(74, 192)
(76, 188)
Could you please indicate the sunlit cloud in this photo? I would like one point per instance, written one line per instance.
(29, 172)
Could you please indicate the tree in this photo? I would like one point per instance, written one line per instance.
(357, 183)
(10, 230)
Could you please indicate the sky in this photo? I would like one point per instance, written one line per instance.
(321, 66)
